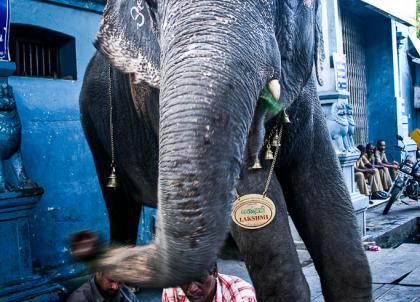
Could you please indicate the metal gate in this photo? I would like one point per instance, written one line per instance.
(354, 48)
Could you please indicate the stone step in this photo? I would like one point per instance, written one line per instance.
(396, 264)
(413, 278)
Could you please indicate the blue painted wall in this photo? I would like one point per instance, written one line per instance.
(381, 102)
(55, 152)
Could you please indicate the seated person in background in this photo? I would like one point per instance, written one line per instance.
(365, 169)
(101, 289)
(388, 172)
(361, 174)
(212, 287)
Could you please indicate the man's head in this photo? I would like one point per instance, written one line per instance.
(380, 145)
(108, 288)
(361, 148)
(202, 290)
(370, 149)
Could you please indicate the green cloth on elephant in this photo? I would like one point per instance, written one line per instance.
(269, 101)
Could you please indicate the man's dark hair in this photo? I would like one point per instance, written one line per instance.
(361, 148)
(369, 146)
(212, 268)
(379, 141)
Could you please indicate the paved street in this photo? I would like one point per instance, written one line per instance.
(395, 272)
(395, 269)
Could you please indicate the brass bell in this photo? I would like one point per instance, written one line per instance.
(268, 153)
(112, 179)
(257, 165)
(286, 119)
(275, 141)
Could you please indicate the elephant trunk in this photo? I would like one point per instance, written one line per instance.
(209, 88)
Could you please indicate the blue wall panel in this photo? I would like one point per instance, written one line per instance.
(382, 108)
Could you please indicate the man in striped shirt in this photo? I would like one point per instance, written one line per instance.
(212, 287)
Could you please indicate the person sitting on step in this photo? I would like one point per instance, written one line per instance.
(365, 172)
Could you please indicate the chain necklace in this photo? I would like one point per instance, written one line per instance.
(254, 211)
(112, 178)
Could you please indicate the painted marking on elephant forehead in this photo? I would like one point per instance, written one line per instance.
(135, 13)
(308, 3)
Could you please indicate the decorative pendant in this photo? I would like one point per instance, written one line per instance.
(256, 165)
(275, 140)
(268, 153)
(253, 211)
(112, 179)
(286, 119)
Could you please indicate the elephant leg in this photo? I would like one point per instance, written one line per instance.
(269, 252)
(123, 212)
(319, 203)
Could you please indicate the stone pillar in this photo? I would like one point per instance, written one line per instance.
(17, 199)
(332, 104)
(400, 37)
(360, 202)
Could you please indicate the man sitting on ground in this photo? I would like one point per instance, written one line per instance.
(101, 289)
(212, 287)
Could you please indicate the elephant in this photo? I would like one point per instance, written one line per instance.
(174, 86)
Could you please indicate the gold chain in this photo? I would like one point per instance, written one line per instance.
(276, 153)
(111, 124)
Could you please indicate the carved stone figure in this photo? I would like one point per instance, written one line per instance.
(349, 142)
(341, 124)
(338, 126)
(10, 137)
(185, 81)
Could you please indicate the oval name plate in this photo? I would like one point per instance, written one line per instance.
(253, 211)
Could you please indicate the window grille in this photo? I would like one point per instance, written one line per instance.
(354, 48)
(36, 58)
(39, 52)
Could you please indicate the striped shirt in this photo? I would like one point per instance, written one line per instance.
(229, 289)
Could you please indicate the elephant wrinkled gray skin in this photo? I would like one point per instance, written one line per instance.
(186, 77)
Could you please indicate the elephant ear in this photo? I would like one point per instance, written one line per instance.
(319, 44)
(128, 37)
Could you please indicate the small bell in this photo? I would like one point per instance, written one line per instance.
(268, 153)
(275, 140)
(112, 179)
(286, 119)
(257, 165)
